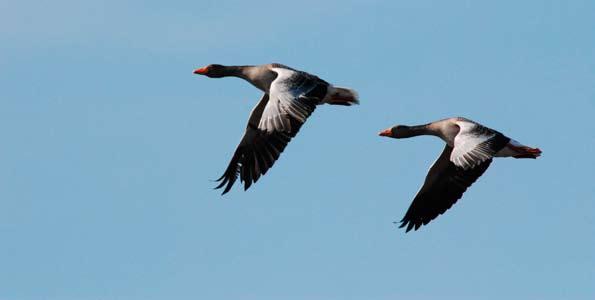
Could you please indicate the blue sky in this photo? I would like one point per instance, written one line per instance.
(109, 144)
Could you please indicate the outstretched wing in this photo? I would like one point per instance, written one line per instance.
(293, 95)
(443, 186)
(475, 144)
(274, 121)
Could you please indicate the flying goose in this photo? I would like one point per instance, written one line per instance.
(290, 97)
(468, 152)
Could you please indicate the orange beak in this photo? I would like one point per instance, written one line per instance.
(386, 132)
(201, 71)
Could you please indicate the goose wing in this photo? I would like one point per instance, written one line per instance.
(475, 144)
(445, 183)
(274, 121)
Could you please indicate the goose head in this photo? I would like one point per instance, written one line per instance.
(213, 71)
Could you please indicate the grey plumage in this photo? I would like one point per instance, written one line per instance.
(467, 154)
(290, 97)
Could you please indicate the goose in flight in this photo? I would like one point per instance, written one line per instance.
(290, 96)
(467, 154)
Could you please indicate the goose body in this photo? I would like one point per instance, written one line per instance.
(290, 97)
(469, 150)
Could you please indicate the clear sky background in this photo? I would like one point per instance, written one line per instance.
(109, 143)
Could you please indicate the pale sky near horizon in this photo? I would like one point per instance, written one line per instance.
(109, 145)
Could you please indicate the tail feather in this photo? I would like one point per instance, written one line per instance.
(343, 96)
(528, 152)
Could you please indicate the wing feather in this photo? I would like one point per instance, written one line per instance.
(274, 121)
(445, 183)
(475, 144)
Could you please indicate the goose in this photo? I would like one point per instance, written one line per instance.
(290, 96)
(467, 154)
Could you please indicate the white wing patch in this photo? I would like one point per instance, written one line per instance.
(284, 102)
(470, 146)
(274, 118)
